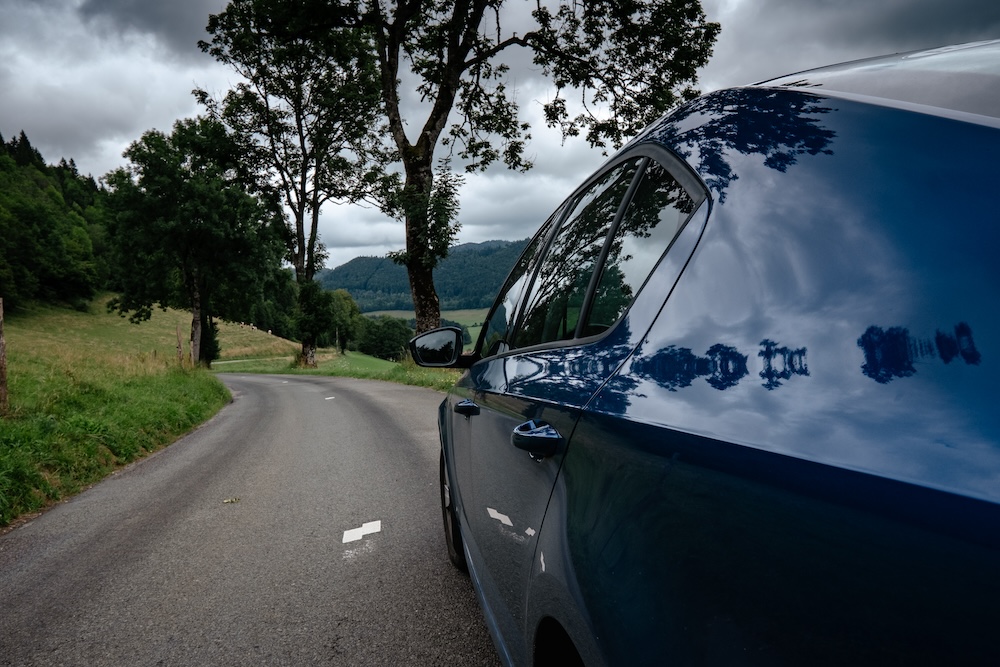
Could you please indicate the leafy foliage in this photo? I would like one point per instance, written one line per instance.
(384, 337)
(629, 61)
(186, 233)
(307, 113)
(346, 319)
(438, 208)
(314, 317)
(51, 229)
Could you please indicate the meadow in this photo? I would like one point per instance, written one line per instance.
(91, 392)
(472, 318)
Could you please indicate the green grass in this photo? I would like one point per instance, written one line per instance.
(351, 364)
(90, 392)
(472, 318)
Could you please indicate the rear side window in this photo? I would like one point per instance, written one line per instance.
(653, 218)
(556, 301)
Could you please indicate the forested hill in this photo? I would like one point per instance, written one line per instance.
(52, 229)
(469, 277)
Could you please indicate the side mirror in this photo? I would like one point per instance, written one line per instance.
(439, 348)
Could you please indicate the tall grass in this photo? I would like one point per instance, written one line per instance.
(90, 392)
(88, 395)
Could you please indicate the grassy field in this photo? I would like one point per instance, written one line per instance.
(472, 318)
(90, 392)
(351, 364)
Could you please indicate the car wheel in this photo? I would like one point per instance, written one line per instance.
(452, 531)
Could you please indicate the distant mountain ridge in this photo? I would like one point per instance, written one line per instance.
(469, 277)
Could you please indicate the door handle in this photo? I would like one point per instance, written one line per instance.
(467, 408)
(538, 438)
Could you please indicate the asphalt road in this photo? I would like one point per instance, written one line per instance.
(227, 548)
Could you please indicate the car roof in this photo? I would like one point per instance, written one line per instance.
(964, 78)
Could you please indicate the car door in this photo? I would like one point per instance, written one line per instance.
(558, 347)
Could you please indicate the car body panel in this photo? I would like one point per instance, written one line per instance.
(786, 451)
(796, 502)
(862, 302)
(502, 510)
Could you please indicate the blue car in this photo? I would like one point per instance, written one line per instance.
(738, 403)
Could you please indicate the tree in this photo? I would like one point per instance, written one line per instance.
(308, 112)
(46, 251)
(346, 316)
(629, 60)
(24, 153)
(384, 337)
(185, 232)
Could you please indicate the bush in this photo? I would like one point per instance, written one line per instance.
(384, 337)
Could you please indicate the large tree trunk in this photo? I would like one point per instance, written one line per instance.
(195, 326)
(420, 263)
(426, 305)
(4, 404)
(309, 354)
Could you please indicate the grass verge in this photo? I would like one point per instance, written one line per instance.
(351, 364)
(90, 392)
(85, 400)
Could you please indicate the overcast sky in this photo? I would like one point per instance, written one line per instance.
(85, 78)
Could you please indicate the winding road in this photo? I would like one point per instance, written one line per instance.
(300, 526)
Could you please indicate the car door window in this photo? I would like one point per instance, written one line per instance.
(657, 211)
(493, 339)
(552, 310)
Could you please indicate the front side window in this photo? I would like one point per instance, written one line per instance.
(554, 305)
(493, 339)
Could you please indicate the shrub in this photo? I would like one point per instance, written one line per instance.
(385, 337)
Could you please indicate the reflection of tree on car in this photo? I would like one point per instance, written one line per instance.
(653, 217)
(654, 214)
(890, 353)
(775, 125)
(553, 307)
(497, 326)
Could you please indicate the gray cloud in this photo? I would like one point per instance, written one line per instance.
(766, 38)
(177, 24)
(84, 78)
(902, 24)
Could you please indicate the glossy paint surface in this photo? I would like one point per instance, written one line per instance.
(787, 451)
(857, 283)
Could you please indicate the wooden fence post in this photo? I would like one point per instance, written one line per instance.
(4, 405)
(180, 348)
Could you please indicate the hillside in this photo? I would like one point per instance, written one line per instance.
(469, 277)
(90, 392)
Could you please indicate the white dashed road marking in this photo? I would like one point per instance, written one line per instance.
(356, 534)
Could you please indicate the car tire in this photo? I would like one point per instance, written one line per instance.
(452, 531)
